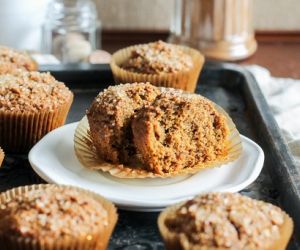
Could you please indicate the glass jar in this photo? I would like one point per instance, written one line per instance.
(221, 29)
(70, 31)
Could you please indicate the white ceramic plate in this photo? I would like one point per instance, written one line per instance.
(53, 158)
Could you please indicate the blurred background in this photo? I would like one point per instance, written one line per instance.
(113, 24)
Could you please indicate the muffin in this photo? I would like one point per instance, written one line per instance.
(54, 217)
(138, 130)
(180, 131)
(31, 105)
(110, 118)
(17, 59)
(218, 221)
(160, 63)
(1, 156)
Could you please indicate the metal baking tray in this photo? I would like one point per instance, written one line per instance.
(228, 85)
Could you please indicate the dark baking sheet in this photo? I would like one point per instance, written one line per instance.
(229, 86)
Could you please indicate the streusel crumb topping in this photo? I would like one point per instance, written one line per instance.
(52, 213)
(25, 91)
(18, 58)
(158, 57)
(231, 221)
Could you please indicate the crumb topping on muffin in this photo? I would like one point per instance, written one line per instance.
(158, 57)
(25, 91)
(179, 131)
(18, 58)
(52, 213)
(226, 220)
(110, 118)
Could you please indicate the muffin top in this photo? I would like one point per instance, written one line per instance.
(227, 220)
(52, 214)
(158, 57)
(18, 58)
(25, 91)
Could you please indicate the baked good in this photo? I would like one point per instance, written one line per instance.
(18, 59)
(55, 217)
(8, 68)
(138, 130)
(1, 156)
(219, 221)
(110, 119)
(157, 58)
(31, 105)
(160, 63)
(179, 131)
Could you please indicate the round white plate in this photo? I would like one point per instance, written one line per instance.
(53, 159)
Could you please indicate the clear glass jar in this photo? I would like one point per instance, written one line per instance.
(71, 30)
(221, 29)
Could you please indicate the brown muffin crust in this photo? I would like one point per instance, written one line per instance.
(158, 57)
(227, 221)
(17, 58)
(49, 214)
(110, 118)
(179, 131)
(25, 91)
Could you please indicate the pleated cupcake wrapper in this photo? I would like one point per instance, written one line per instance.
(178, 241)
(98, 240)
(186, 80)
(1, 156)
(87, 155)
(19, 131)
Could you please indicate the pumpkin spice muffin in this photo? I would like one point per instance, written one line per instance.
(219, 221)
(179, 131)
(17, 59)
(31, 105)
(110, 118)
(160, 63)
(156, 58)
(59, 217)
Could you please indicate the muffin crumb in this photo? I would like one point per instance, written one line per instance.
(179, 131)
(51, 214)
(110, 118)
(24, 91)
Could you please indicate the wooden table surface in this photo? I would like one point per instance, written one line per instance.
(281, 58)
(279, 53)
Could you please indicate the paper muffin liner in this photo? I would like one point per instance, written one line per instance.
(87, 155)
(175, 241)
(1, 156)
(99, 240)
(186, 80)
(19, 131)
